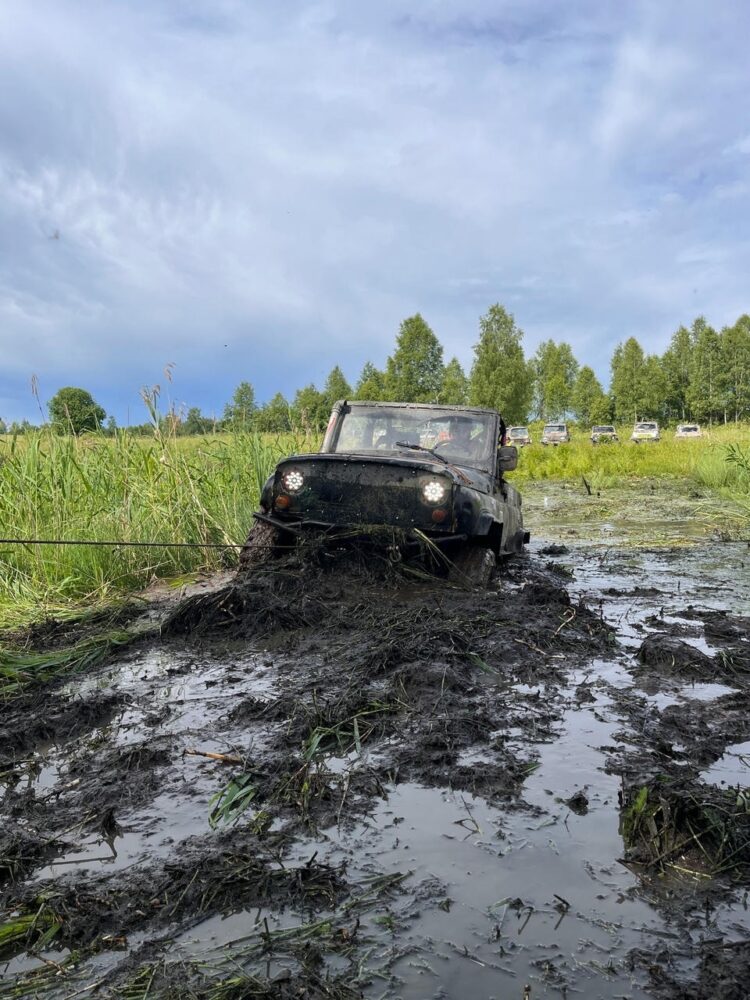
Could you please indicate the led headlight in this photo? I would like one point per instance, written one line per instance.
(292, 481)
(433, 492)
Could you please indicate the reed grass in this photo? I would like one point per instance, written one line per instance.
(704, 461)
(21, 669)
(128, 489)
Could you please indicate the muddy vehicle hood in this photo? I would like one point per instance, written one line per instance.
(419, 463)
(352, 489)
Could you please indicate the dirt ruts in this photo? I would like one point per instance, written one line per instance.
(326, 685)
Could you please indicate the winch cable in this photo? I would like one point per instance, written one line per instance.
(116, 544)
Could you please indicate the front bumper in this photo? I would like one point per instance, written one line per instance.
(366, 533)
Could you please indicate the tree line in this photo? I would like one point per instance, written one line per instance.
(704, 375)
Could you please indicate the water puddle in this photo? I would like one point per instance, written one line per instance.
(638, 514)
(704, 692)
(494, 897)
(144, 834)
(732, 769)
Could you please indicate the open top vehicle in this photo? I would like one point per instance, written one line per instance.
(603, 434)
(403, 476)
(645, 430)
(555, 434)
(688, 431)
(519, 436)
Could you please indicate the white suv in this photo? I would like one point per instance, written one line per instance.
(645, 430)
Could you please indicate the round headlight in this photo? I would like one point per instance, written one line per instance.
(433, 492)
(292, 481)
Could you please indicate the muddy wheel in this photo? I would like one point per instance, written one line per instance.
(474, 565)
(260, 545)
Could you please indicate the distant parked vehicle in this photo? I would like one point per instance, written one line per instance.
(688, 431)
(555, 434)
(645, 430)
(519, 436)
(603, 434)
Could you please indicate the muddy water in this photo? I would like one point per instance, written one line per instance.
(639, 514)
(500, 896)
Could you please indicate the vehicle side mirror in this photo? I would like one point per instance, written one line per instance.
(507, 458)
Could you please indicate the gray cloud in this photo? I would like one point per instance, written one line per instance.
(291, 181)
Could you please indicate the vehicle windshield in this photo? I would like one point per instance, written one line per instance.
(462, 437)
(518, 432)
(604, 429)
(689, 429)
(645, 427)
(554, 429)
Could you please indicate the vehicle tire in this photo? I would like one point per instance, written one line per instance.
(474, 565)
(260, 545)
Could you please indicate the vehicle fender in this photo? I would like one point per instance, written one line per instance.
(266, 496)
(485, 523)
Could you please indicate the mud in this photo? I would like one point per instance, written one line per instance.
(416, 789)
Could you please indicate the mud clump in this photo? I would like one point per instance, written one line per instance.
(578, 803)
(211, 875)
(47, 716)
(665, 651)
(21, 850)
(724, 973)
(554, 550)
(671, 817)
(671, 655)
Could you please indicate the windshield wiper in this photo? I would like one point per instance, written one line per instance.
(418, 447)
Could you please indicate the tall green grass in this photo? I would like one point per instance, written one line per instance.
(703, 461)
(719, 463)
(127, 489)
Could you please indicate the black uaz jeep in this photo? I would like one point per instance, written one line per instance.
(431, 473)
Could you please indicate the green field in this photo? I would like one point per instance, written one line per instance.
(706, 461)
(204, 489)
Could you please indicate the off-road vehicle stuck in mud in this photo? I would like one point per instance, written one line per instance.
(412, 479)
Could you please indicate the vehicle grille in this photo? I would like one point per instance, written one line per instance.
(355, 493)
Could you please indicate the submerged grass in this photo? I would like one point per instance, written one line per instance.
(28, 932)
(662, 823)
(22, 669)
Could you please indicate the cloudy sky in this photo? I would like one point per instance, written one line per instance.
(259, 190)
